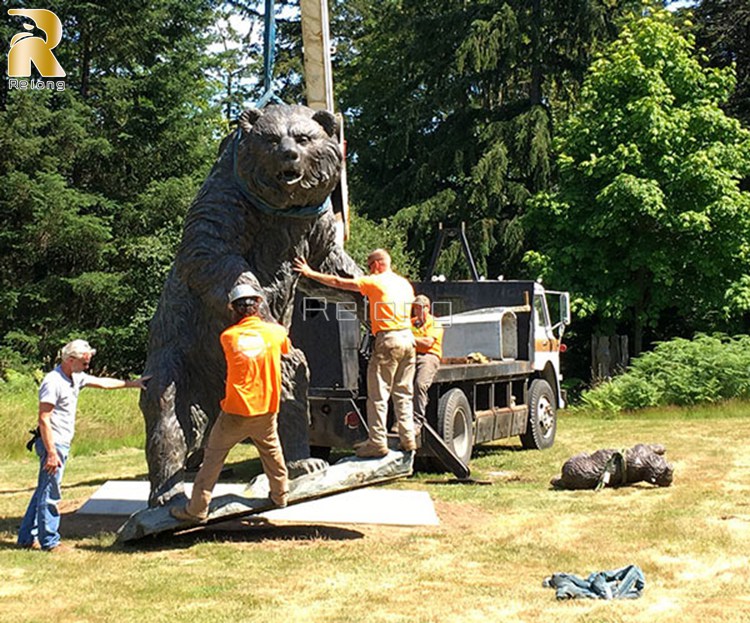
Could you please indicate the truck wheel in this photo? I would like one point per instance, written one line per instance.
(542, 424)
(455, 423)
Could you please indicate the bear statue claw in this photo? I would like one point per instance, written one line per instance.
(305, 466)
(167, 496)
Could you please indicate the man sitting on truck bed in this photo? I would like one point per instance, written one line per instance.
(391, 367)
(428, 334)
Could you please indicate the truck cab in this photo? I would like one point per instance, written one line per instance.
(548, 333)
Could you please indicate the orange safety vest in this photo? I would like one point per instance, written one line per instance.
(390, 297)
(253, 350)
(430, 328)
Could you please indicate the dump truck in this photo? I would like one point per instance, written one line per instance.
(499, 377)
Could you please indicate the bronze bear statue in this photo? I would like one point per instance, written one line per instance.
(641, 463)
(265, 202)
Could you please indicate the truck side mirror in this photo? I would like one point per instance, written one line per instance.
(565, 308)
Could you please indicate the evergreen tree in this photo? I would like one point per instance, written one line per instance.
(238, 57)
(98, 177)
(723, 28)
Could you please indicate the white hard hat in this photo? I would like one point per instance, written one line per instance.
(244, 291)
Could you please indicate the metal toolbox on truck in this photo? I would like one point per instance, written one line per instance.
(491, 331)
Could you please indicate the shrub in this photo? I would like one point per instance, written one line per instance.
(708, 368)
(14, 382)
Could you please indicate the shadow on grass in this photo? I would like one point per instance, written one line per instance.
(72, 526)
(21, 490)
(645, 487)
(429, 466)
(244, 530)
(9, 525)
(481, 451)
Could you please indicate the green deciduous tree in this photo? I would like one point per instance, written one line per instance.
(367, 235)
(649, 225)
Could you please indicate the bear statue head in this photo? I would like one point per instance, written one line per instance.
(289, 156)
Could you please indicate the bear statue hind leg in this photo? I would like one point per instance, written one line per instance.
(294, 416)
(166, 446)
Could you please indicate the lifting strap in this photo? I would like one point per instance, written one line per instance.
(269, 56)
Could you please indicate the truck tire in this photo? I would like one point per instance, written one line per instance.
(455, 423)
(542, 423)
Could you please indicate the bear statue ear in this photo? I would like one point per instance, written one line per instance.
(249, 117)
(328, 121)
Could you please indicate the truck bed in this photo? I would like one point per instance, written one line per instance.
(491, 371)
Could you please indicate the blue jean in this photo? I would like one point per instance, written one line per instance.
(625, 583)
(42, 519)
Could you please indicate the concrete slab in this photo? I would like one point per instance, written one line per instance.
(360, 506)
(125, 497)
(364, 506)
(345, 475)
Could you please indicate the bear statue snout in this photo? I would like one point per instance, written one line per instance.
(291, 170)
(289, 149)
(664, 478)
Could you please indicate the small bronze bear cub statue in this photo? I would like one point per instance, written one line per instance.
(615, 468)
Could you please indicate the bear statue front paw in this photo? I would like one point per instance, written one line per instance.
(173, 495)
(165, 489)
(305, 466)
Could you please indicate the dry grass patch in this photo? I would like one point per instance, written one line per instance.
(484, 562)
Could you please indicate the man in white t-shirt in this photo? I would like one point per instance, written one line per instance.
(58, 398)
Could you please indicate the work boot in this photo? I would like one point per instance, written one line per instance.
(182, 513)
(278, 502)
(60, 548)
(410, 445)
(369, 450)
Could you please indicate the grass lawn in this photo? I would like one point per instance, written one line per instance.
(485, 562)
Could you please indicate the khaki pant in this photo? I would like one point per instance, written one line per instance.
(427, 367)
(228, 431)
(390, 374)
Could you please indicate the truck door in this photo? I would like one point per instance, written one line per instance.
(542, 329)
(545, 342)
